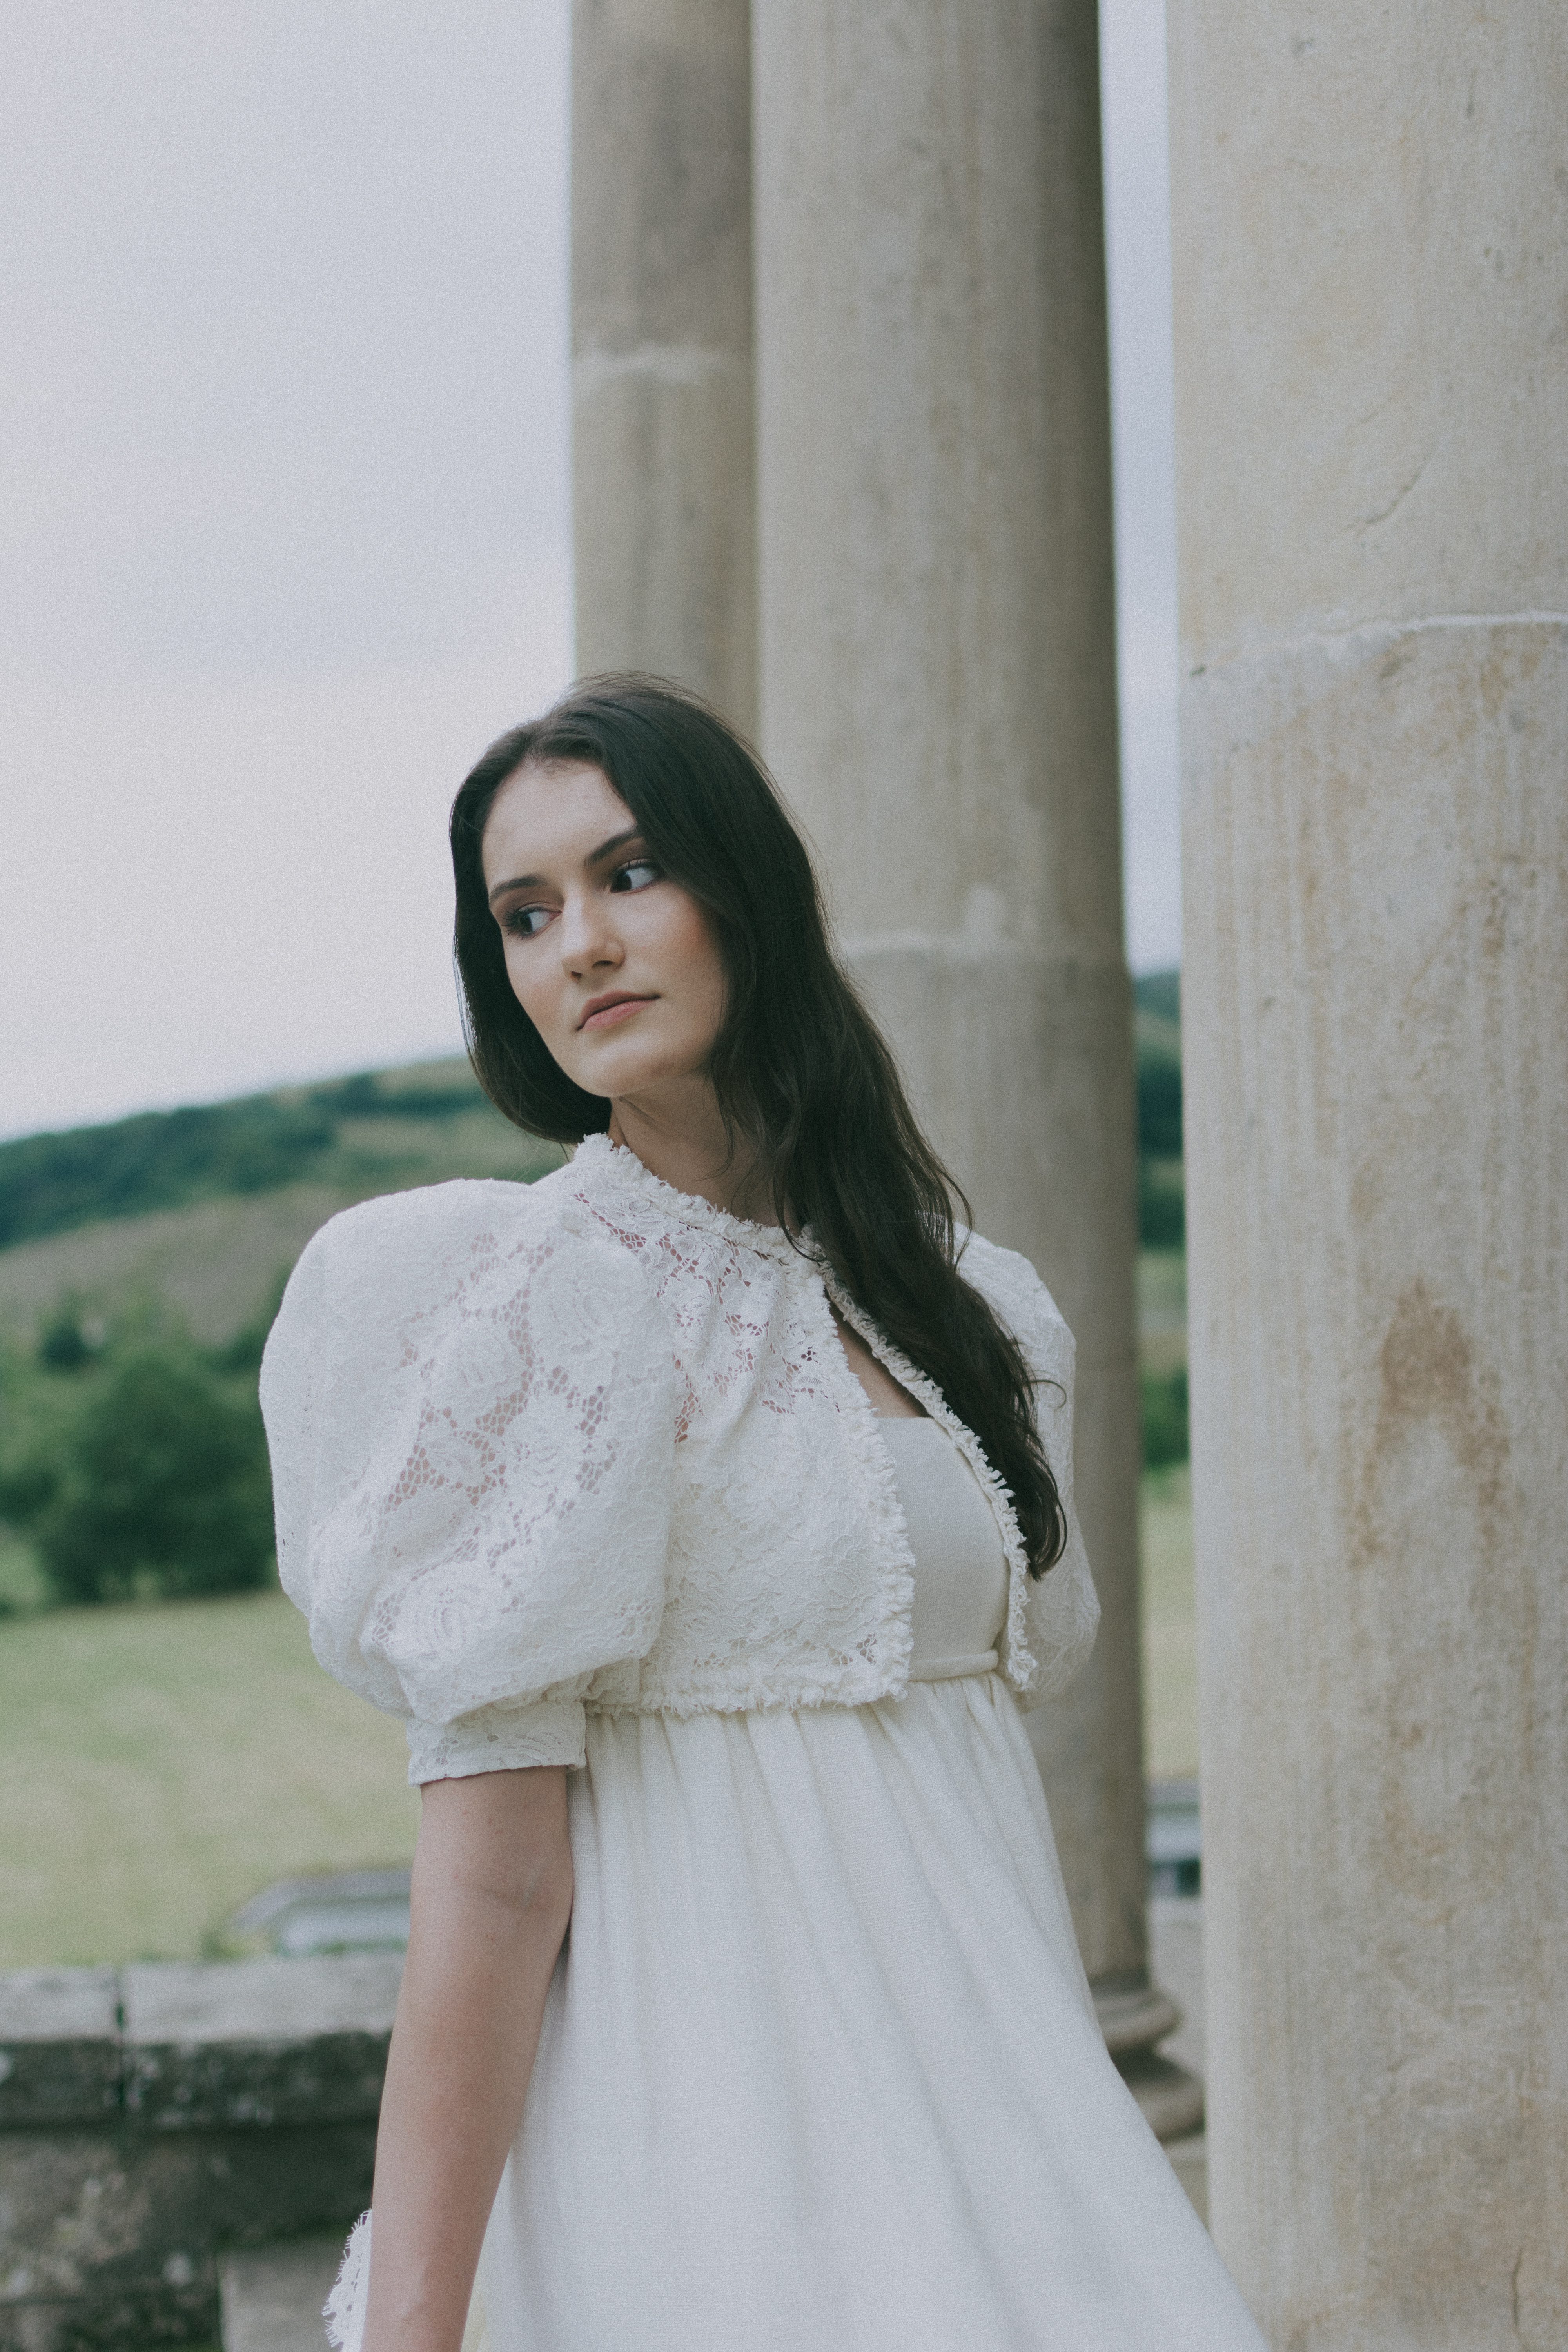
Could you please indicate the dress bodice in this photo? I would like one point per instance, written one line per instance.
(960, 1602)
(589, 1446)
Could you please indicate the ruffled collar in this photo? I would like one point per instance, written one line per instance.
(601, 1168)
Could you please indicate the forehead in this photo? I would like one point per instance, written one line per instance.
(548, 814)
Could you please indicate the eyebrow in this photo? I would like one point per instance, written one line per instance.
(595, 858)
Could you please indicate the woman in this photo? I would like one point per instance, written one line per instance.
(706, 1509)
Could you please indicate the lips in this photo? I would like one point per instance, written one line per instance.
(604, 1012)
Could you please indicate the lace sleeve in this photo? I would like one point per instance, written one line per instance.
(471, 1410)
(1061, 1613)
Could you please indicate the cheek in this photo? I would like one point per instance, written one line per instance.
(698, 951)
(530, 981)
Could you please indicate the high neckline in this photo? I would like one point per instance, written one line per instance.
(618, 1166)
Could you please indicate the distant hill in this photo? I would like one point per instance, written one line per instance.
(375, 1131)
(206, 1209)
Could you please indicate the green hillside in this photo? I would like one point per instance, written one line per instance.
(344, 1133)
(202, 1209)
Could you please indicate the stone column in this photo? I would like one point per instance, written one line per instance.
(1371, 239)
(663, 496)
(939, 699)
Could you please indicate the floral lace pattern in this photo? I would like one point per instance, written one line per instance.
(593, 1444)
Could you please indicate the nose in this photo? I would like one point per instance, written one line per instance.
(585, 936)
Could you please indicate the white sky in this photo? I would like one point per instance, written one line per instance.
(286, 539)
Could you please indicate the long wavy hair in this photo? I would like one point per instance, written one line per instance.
(799, 1067)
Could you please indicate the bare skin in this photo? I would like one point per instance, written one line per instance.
(618, 970)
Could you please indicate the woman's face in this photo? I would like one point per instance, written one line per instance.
(617, 966)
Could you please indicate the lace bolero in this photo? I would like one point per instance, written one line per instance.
(590, 1445)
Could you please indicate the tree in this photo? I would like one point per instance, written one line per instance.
(159, 1476)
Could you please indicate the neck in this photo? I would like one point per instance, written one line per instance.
(681, 1138)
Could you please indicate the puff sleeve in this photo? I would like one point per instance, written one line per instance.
(470, 1408)
(1060, 1614)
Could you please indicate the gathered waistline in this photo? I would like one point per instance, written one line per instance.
(976, 1666)
(953, 1670)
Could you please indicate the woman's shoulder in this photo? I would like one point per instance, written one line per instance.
(1008, 1282)
(405, 1254)
(451, 1219)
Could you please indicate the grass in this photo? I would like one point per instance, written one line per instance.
(1162, 1309)
(1170, 1634)
(1166, 1518)
(160, 1764)
(21, 1585)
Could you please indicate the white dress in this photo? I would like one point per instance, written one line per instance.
(580, 1474)
(781, 2100)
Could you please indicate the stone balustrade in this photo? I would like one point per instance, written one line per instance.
(154, 2115)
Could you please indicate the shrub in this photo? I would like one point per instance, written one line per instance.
(243, 1353)
(1161, 1205)
(1164, 1401)
(159, 1477)
(1159, 1103)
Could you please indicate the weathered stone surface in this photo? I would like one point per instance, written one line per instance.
(89, 2215)
(1190, 2163)
(109, 2235)
(59, 2046)
(125, 2323)
(243, 2001)
(1176, 1951)
(272, 2301)
(1170, 2099)
(939, 689)
(663, 511)
(1371, 235)
(258, 2042)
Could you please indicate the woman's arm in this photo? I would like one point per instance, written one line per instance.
(493, 1895)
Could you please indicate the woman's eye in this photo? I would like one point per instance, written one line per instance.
(635, 876)
(526, 920)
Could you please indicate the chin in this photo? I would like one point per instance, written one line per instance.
(631, 1074)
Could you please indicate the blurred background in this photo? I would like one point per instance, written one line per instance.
(289, 541)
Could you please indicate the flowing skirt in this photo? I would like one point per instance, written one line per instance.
(820, 2071)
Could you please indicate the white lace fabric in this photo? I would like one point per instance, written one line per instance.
(590, 1445)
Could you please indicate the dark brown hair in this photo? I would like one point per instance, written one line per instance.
(799, 1067)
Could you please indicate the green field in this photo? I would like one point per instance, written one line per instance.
(163, 1763)
(1170, 1632)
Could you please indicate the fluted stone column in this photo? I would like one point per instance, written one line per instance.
(939, 698)
(663, 495)
(1371, 239)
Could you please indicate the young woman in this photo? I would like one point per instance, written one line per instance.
(706, 1509)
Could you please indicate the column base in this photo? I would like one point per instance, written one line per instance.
(1132, 2020)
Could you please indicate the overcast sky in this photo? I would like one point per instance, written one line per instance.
(284, 401)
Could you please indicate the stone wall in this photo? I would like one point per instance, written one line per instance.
(152, 2116)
